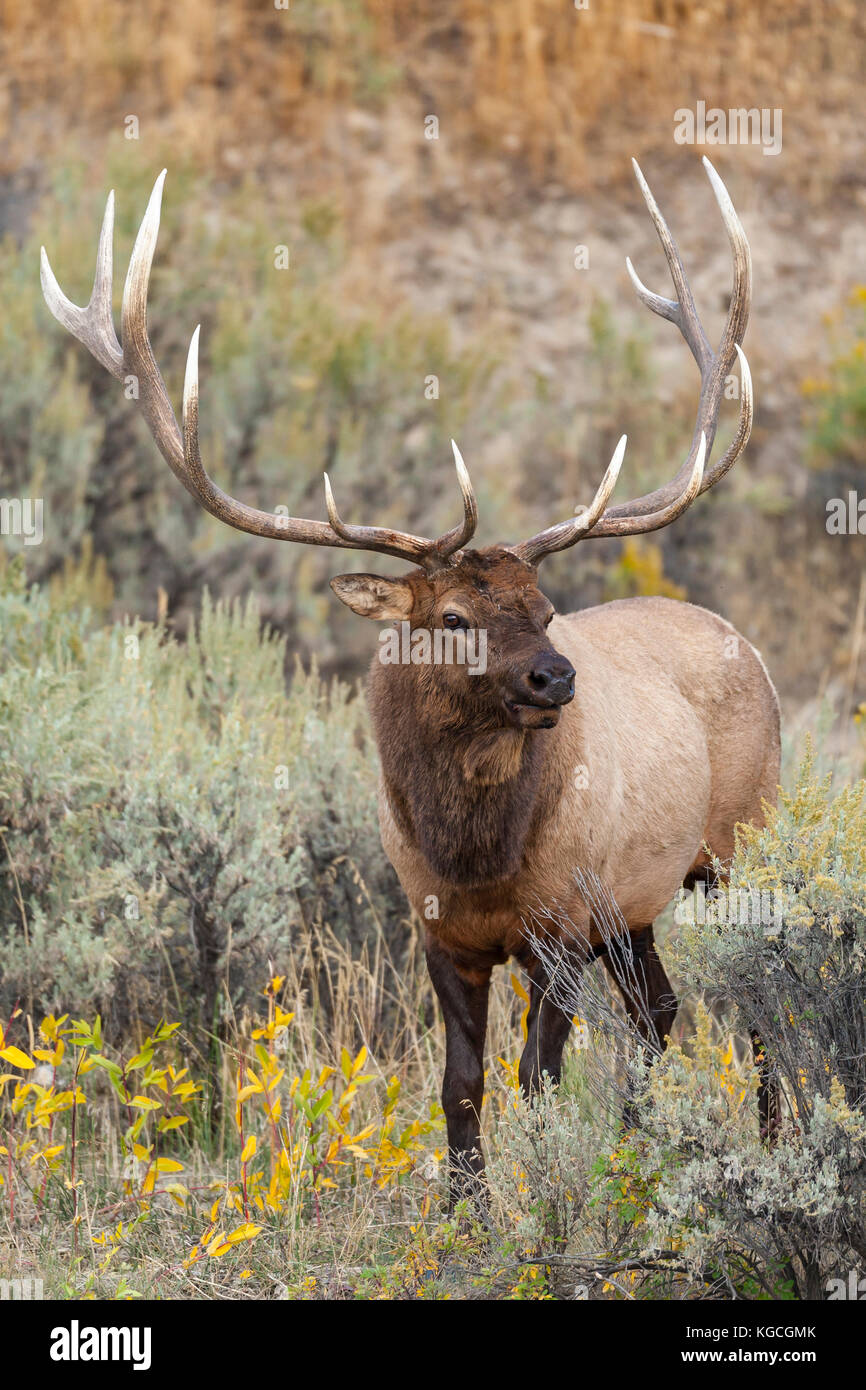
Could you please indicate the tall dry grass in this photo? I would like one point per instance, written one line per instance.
(541, 80)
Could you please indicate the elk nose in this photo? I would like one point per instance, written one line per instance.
(552, 675)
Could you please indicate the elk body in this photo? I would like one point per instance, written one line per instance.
(626, 741)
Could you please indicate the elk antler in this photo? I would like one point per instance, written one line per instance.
(662, 506)
(133, 357)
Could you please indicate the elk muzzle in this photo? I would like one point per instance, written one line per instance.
(540, 691)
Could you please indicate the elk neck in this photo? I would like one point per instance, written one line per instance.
(470, 795)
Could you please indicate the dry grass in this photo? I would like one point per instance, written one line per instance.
(540, 80)
(346, 1235)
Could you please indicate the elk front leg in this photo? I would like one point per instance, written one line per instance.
(463, 995)
(547, 1030)
(645, 988)
(646, 992)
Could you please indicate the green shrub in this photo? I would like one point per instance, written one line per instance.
(172, 816)
(691, 1201)
(797, 1211)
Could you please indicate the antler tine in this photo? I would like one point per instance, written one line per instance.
(413, 548)
(662, 506)
(621, 521)
(744, 424)
(567, 532)
(680, 311)
(93, 325)
(238, 514)
(714, 367)
(741, 296)
(461, 535)
(133, 357)
(426, 553)
(138, 358)
(629, 526)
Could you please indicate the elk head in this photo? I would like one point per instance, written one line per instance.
(451, 588)
(495, 665)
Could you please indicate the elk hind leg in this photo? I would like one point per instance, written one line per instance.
(769, 1093)
(547, 1029)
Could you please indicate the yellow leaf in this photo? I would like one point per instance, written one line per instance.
(246, 1232)
(518, 989)
(168, 1165)
(145, 1103)
(186, 1089)
(17, 1058)
(141, 1152)
(249, 1149)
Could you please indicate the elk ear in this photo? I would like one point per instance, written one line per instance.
(388, 600)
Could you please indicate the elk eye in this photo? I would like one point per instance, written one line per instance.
(549, 619)
(453, 620)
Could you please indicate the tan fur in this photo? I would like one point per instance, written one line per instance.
(675, 730)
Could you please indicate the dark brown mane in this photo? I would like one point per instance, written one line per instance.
(467, 804)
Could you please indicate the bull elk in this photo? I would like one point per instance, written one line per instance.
(670, 713)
